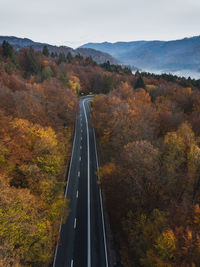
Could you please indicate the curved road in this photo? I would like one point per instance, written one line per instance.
(82, 237)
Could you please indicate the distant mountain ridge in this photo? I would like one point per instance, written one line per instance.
(166, 56)
(98, 56)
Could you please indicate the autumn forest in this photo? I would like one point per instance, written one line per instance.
(148, 137)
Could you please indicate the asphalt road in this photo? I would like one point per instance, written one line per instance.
(82, 237)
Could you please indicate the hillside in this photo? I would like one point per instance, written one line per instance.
(148, 142)
(38, 108)
(98, 56)
(169, 56)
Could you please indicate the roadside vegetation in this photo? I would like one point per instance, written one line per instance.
(148, 135)
(148, 130)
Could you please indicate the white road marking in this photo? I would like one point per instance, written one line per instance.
(79, 158)
(79, 174)
(88, 155)
(72, 263)
(77, 194)
(66, 191)
(81, 138)
(60, 227)
(80, 147)
(101, 202)
(74, 141)
(75, 223)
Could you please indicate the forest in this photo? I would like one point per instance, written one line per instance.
(148, 135)
(148, 132)
(38, 105)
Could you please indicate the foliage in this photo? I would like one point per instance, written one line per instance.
(149, 148)
(139, 83)
(149, 145)
(7, 49)
(37, 115)
(45, 51)
(33, 65)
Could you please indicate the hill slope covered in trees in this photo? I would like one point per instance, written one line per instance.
(148, 140)
(98, 56)
(149, 144)
(38, 106)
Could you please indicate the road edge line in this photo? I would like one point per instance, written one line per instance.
(66, 190)
(101, 202)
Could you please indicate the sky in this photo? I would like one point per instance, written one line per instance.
(76, 22)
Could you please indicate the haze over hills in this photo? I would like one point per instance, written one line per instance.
(181, 57)
(178, 56)
(98, 56)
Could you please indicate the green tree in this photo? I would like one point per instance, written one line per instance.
(61, 58)
(45, 51)
(7, 49)
(33, 65)
(69, 57)
(46, 73)
(107, 83)
(53, 55)
(64, 79)
(139, 83)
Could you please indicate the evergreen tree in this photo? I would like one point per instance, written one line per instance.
(45, 51)
(107, 66)
(127, 70)
(107, 84)
(33, 65)
(61, 58)
(79, 56)
(69, 57)
(139, 83)
(7, 49)
(137, 73)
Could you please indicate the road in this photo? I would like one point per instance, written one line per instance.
(82, 237)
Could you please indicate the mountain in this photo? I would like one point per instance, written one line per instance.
(98, 56)
(161, 56)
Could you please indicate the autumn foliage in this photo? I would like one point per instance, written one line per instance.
(38, 107)
(148, 130)
(150, 162)
(37, 115)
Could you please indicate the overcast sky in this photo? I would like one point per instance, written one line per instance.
(75, 22)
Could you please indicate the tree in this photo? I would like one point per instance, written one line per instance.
(69, 57)
(139, 83)
(8, 52)
(61, 58)
(33, 65)
(26, 231)
(45, 51)
(107, 84)
(52, 54)
(181, 160)
(7, 49)
(46, 73)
